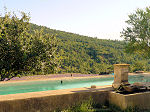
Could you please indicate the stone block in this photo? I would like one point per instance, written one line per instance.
(120, 75)
(140, 100)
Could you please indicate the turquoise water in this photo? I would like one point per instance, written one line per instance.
(35, 86)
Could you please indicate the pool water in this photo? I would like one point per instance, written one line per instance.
(35, 86)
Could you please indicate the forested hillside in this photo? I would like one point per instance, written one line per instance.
(28, 49)
(82, 54)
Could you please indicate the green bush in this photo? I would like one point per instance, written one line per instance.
(84, 106)
(91, 106)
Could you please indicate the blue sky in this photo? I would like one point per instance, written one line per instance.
(103, 19)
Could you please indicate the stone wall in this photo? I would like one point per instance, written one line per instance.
(140, 100)
(51, 102)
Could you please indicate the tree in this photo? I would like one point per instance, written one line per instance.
(22, 50)
(137, 34)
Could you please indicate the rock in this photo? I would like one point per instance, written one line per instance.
(129, 88)
(138, 84)
(93, 86)
(139, 71)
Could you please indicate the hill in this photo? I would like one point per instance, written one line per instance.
(82, 54)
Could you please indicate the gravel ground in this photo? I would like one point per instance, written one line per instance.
(67, 75)
(52, 76)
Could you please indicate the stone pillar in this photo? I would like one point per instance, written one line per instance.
(120, 75)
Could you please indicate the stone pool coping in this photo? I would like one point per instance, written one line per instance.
(29, 95)
(48, 101)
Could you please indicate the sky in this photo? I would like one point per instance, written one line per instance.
(104, 19)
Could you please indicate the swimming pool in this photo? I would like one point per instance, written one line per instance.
(35, 86)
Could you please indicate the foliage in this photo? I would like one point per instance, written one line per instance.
(91, 106)
(137, 34)
(27, 48)
(84, 106)
(23, 52)
(82, 54)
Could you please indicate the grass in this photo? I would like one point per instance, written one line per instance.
(91, 106)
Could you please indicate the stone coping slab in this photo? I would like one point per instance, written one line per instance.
(53, 93)
(49, 101)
